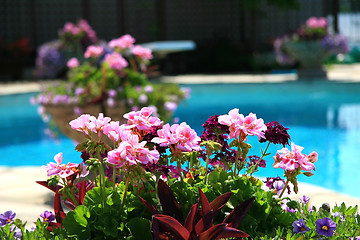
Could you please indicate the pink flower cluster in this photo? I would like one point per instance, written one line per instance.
(82, 28)
(131, 152)
(142, 119)
(181, 136)
(241, 126)
(59, 169)
(294, 159)
(314, 22)
(142, 53)
(72, 63)
(116, 61)
(94, 51)
(122, 42)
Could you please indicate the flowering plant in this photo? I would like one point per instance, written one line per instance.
(73, 40)
(314, 30)
(112, 76)
(153, 174)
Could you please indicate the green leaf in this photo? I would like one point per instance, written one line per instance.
(95, 197)
(76, 222)
(82, 146)
(140, 228)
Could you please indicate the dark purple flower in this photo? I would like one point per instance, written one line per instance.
(254, 159)
(304, 199)
(7, 217)
(276, 134)
(17, 232)
(47, 216)
(300, 226)
(325, 226)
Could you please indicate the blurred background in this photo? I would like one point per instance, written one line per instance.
(230, 35)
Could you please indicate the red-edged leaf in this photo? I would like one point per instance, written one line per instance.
(45, 184)
(219, 202)
(82, 192)
(58, 209)
(204, 223)
(238, 214)
(229, 232)
(168, 202)
(162, 224)
(52, 226)
(70, 204)
(190, 219)
(151, 208)
(212, 232)
(205, 205)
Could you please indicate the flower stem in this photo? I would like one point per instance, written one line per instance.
(286, 184)
(261, 158)
(236, 160)
(114, 176)
(179, 170)
(125, 192)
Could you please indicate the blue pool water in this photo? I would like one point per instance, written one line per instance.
(321, 116)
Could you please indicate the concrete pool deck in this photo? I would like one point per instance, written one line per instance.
(20, 193)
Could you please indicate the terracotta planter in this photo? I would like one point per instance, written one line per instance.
(62, 114)
(310, 55)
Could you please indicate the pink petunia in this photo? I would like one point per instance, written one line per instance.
(294, 159)
(122, 42)
(142, 53)
(94, 51)
(116, 61)
(132, 152)
(72, 63)
(142, 119)
(182, 136)
(59, 169)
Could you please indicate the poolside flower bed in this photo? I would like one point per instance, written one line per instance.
(162, 181)
(109, 77)
(310, 45)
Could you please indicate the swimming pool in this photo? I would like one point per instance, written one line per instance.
(321, 116)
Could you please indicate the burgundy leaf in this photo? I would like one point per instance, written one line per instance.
(212, 232)
(205, 205)
(58, 209)
(45, 184)
(237, 215)
(168, 202)
(168, 226)
(82, 192)
(151, 208)
(190, 219)
(219, 202)
(70, 204)
(204, 223)
(229, 232)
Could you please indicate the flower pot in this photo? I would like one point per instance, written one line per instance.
(62, 114)
(310, 55)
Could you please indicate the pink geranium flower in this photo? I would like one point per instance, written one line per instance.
(294, 159)
(94, 51)
(143, 53)
(59, 169)
(72, 63)
(314, 22)
(97, 124)
(122, 42)
(241, 126)
(116, 61)
(116, 132)
(142, 119)
(81, 123)
(181, 136)
(132, 152)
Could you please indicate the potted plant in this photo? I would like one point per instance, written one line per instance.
(162, 181)
(310, 45)
(111, 78)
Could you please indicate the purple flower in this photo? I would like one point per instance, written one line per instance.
(7, 217)
(254, 160)
(276, 133)
(17, 232)
(304, 199)
(300, 226)
(337, 214)
(270, 183)
(325, 226)
(47, 216)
